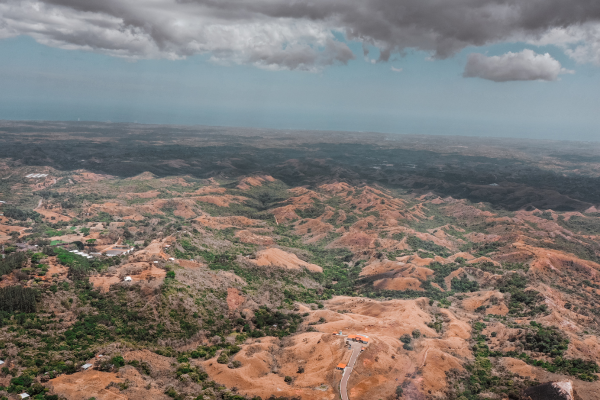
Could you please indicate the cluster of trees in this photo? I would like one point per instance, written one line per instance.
(482, 249)
(313, 211)
(22, 215)
(12, 262)
(521, 301)
(546, 340)
(25, 383)
(18, 299)
(464, 285)
(428, 246)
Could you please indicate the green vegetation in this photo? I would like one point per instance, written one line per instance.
(583, 225)
(464, 285)
(313, 211)
(428, 246)
(11, 262)
(482, 249)
(22, 215)
(17, 299)
(546, 340)
(522, 302)
(406, 338)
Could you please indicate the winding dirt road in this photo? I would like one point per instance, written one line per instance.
(348, 370)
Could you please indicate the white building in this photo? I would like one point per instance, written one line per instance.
(127, 279)
(87, 366)
(24, 395)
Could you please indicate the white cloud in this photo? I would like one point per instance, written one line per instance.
(396, 69)
(580, 42)
(523, 66)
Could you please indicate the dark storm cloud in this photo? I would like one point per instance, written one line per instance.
(298, 34)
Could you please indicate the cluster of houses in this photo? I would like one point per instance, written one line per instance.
(355, 338)
(118, 250)
(81, 253)
(352, 338)
(359, 338)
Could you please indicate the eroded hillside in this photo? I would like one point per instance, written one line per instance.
(237, 287)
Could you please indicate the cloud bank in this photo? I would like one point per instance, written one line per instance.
(523, 66)
(300, 34)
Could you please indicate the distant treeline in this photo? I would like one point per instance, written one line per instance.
(17, 298)
(12, 262)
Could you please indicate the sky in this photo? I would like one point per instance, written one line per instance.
(507, 68)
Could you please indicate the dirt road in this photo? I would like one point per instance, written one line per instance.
(348, 370)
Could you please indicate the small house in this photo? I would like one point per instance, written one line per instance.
(1, 362)
(127, 279)
(85, 367)
(362, 339)
(341, 366)
(24, 395)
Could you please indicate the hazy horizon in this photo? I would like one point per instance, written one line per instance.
(491, 69)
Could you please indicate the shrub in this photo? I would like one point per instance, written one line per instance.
(399, 391)
(416, 334)
(405, 338)
(407, 346)
(118, 361)
(223, 358)
(288, 379)
(171, 274)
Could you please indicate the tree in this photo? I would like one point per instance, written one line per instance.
(416, 334)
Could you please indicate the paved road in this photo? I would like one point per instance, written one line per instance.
(348, 370)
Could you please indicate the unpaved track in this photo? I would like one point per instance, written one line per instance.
(348, 370)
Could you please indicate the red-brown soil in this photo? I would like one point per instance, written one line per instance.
(274, 257)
